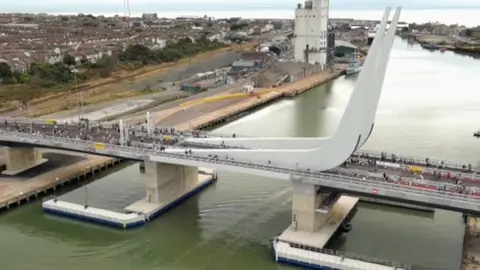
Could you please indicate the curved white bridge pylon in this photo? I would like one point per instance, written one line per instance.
(355, 126)
(367, 89)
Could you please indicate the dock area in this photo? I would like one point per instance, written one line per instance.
(223, 115)
(471, 244)
(14, 192)
(135, 215)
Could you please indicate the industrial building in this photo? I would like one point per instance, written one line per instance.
(345, 49)
(312, 32)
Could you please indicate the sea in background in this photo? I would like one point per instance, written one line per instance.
(467, 17)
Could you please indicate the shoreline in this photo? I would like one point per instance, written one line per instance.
(442, 43)
(234, 111)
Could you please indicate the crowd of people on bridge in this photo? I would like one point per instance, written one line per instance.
(416, 179)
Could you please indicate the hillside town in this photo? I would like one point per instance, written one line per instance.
(26, 39)
(42, 54)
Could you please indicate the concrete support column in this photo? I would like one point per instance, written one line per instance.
(150, 124)
(19, 159)
(121, 128)
(305, 201)
(165, 182)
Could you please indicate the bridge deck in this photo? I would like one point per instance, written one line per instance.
(352, 178)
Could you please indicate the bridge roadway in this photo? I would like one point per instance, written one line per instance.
(449, 174)
(46, 127)
(401, 173)
(340, 179)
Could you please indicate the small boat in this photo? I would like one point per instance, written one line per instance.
(442, 49)
(477, 134)
(353, 68)
(346, 227)
(429, 46)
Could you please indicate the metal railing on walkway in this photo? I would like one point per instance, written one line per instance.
(352, 256)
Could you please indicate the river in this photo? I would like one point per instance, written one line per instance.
(429, 107)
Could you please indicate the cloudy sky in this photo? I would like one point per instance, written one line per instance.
(97, 6)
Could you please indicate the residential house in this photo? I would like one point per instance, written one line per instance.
(440, 29)
(91, 55)
(475, 32)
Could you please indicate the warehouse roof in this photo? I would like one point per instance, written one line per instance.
(341, 43)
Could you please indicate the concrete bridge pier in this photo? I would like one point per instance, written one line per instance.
(167, 185)
(165, 182)
(306, 199)
(20, 159)
(317, 215)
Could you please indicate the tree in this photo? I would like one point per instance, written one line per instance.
(5, 70)
(10, 80)
(468, 32)
(69, 60)
(106, 62)
(236, 27)
(277, 25)
(20, 77)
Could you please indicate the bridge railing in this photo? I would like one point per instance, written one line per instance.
(344, 255)
(376, 154)
(319, 178)
(413, 181)
(416, 160)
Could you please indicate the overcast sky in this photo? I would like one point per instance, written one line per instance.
(97, 6)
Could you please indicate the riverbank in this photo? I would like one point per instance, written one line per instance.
(238, 109)
(444, 43)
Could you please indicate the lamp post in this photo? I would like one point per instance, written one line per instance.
(75, 81)
(86, 191)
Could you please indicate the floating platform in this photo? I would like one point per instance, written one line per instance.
(137, 214)
(315, 258)
(308, 249)
(92, 214)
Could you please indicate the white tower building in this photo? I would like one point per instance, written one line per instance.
(311, 26)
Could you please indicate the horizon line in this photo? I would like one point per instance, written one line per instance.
(222, 9)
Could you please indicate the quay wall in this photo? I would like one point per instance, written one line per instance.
(229, 113)
(46, 183)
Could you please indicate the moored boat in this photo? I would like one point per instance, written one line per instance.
(353, 68)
